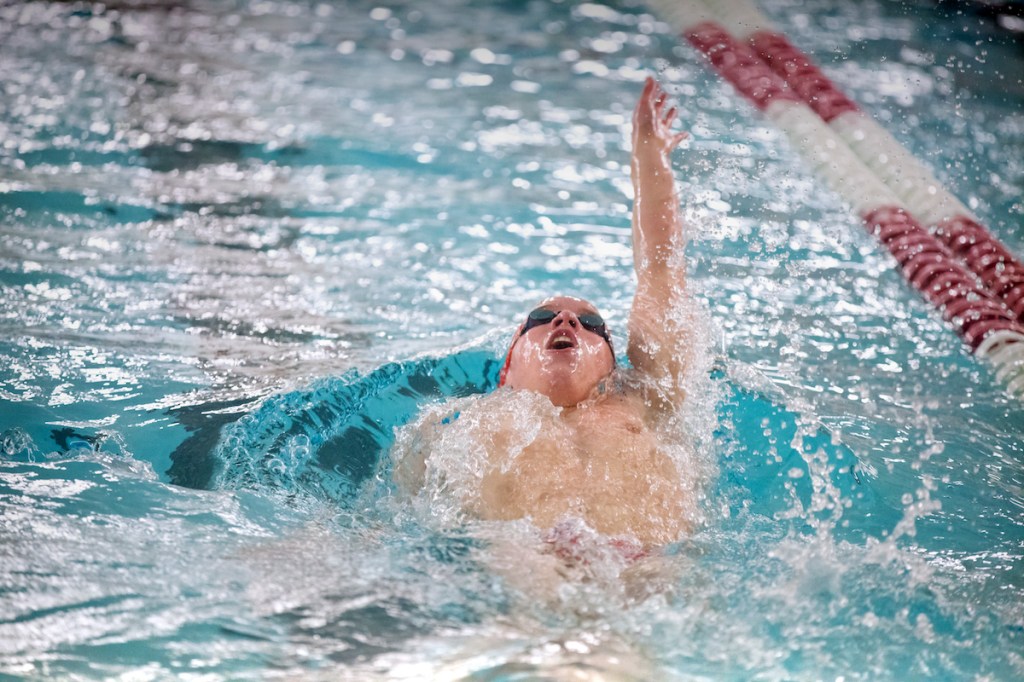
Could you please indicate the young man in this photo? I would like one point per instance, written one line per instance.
(568, 439)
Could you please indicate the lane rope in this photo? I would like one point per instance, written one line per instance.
(930, 263)
(924, 195)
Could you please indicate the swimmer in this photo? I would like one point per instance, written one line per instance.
(585, 440)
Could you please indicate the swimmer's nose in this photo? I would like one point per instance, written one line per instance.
(566, 317)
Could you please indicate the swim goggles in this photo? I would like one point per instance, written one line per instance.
(591, 322)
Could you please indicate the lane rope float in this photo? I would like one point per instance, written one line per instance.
(908, 177)
(983, 320)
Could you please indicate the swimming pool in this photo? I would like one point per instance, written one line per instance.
(241, 242)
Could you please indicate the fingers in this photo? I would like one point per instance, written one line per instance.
(650, 90)
(647, 97)
(653, 93)
(657, 116)
(670, 116)
(660, 98)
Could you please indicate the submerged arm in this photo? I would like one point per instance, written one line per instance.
(659, 323)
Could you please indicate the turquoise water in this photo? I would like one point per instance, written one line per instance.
(242, 242)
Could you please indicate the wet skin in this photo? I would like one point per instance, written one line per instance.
(601, 456)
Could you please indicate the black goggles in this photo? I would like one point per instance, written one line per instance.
(591, 322)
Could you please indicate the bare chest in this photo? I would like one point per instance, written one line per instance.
(600, 463)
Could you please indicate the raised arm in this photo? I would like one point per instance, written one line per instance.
(657, 225)
(660, 321)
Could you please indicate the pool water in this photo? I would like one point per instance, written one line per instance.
(242, 243)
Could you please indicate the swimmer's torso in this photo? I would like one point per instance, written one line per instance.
(600, 462)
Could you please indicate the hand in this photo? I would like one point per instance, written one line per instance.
(652, 124)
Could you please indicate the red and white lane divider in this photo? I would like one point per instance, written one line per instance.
(984, 320)
(914, 183)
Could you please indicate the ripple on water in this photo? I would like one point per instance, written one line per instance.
(209, 215)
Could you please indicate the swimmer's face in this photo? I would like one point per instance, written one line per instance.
(560, 358)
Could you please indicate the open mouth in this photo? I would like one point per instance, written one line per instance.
(561, 341)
